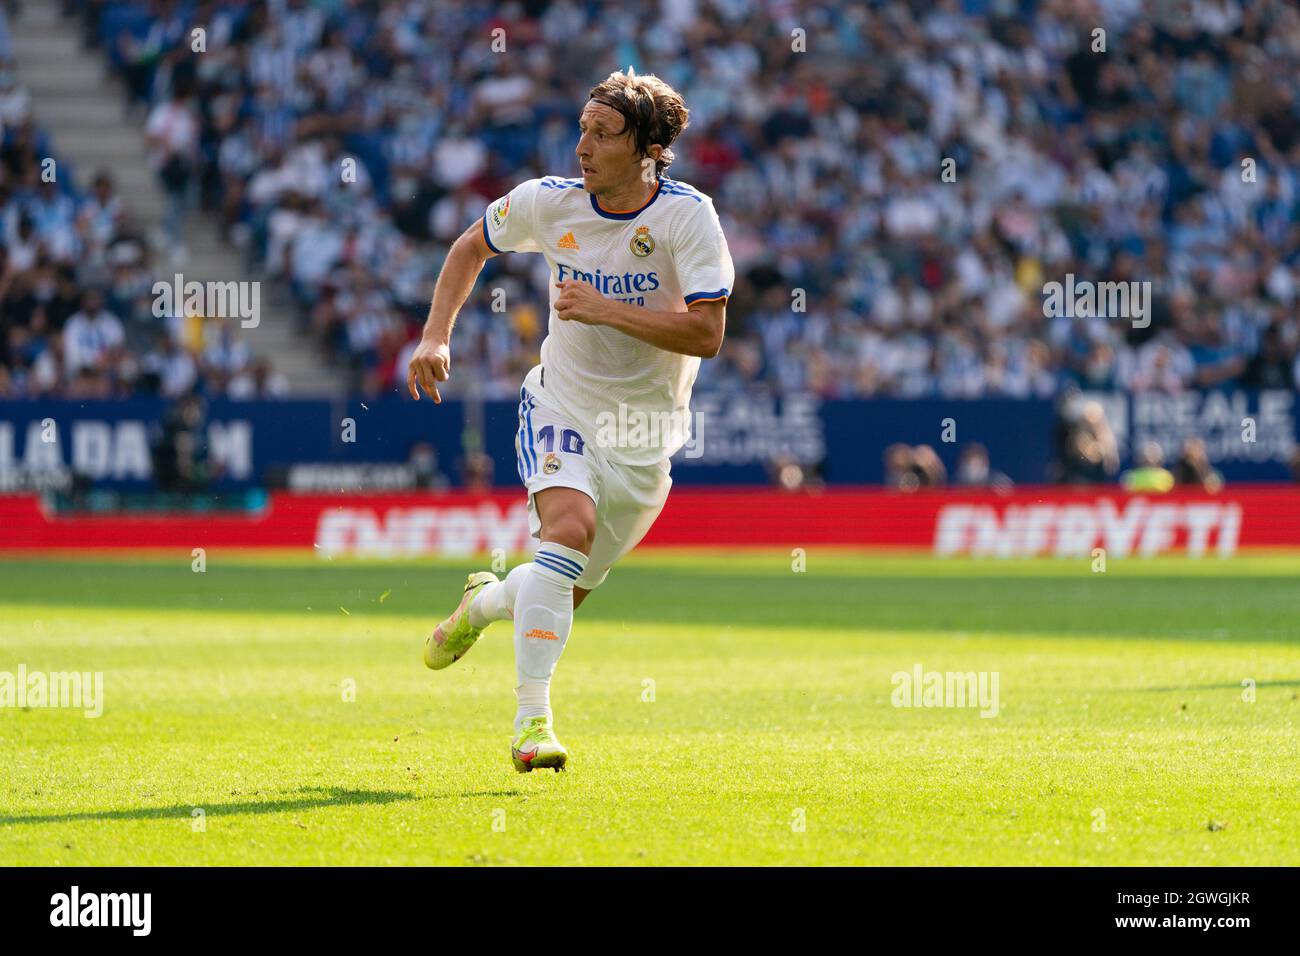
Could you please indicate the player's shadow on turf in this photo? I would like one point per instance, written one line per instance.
(476, 793)
(1262, 685)
(320, 797)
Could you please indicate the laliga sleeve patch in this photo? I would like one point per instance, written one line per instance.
(499, 212)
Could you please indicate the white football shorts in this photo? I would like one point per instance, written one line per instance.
(552, 452)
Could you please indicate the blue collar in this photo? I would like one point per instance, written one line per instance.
(633, 213)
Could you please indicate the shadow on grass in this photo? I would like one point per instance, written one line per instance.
(1259, 685)
(478, 793)
(311, 798)
(1236, 609)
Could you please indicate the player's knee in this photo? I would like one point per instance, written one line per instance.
(571, 529)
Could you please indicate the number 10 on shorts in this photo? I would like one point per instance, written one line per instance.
(570, 441)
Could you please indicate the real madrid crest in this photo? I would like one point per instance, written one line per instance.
(551, 463)
(642, 243)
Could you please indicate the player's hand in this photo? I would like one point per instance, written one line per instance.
(580, 302)
(430, 365)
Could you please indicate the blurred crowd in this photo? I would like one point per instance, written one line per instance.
(77, 316)
(913, 467)
(897, 180)
(1087, 452)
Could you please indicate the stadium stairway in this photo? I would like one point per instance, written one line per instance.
(80, 104)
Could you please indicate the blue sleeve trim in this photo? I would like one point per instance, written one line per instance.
(488, 240)
(707, 296)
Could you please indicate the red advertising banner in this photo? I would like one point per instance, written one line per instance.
(1060, 522)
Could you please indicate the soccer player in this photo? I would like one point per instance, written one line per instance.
(640, 276)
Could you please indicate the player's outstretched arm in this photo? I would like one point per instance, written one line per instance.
(431, 362)
(697, 331)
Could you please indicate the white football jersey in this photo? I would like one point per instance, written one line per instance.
(664, 256)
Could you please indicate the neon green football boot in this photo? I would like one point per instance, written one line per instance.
(536, 747)
(452, 639)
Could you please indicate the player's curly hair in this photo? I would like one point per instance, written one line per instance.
(654, 111)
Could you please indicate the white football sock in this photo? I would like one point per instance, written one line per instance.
(496, 602)
(543, 620)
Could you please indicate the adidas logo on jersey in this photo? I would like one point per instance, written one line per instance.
(567, 241)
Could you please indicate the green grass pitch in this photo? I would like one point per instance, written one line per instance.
(718, 709)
